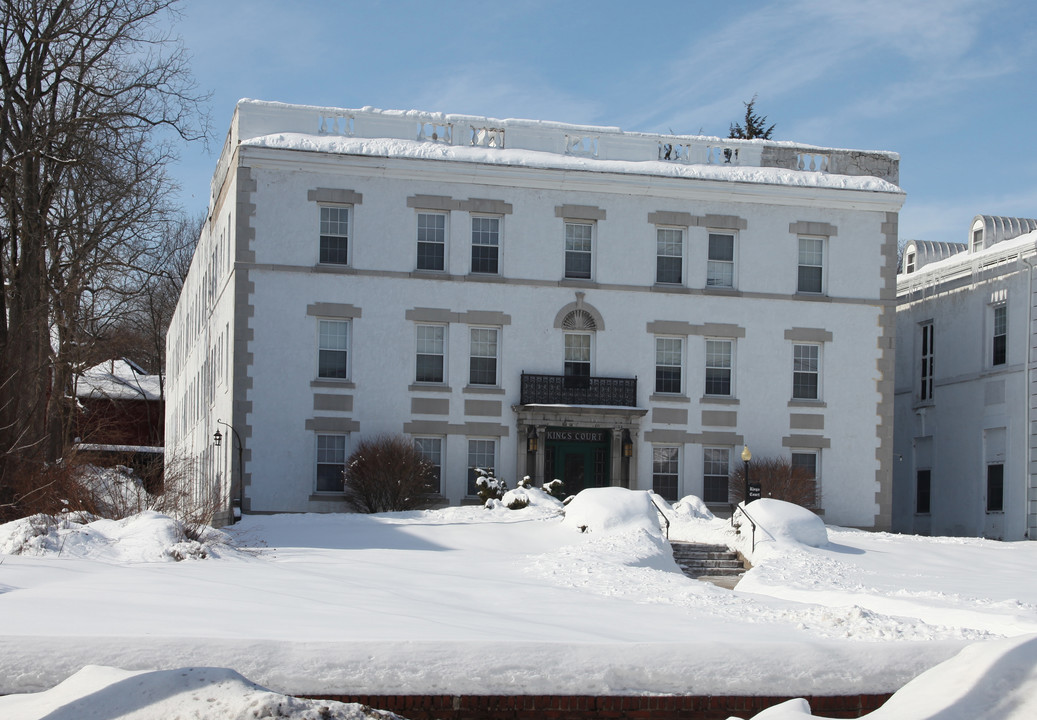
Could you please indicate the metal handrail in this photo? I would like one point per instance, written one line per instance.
(666, 530)
(741, 508)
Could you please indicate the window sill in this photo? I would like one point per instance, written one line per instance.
(484, 277)
(328, 496)
(334, 268)
(802, 295)
(669, 286)
(481, 390)
(662, 397)
(919, 404)
(807, 403)
(420, 272)
(578, 282)
(421, 387)
(327, 383)
(995, 512)
(718, 400)
(722, 290)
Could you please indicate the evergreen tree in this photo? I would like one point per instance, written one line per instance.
(754, 125)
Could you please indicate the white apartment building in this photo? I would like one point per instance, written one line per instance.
(543, 299)
(964, 386)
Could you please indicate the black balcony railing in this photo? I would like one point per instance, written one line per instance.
(562, 390)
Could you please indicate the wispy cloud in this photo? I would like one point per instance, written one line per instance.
(890, 56)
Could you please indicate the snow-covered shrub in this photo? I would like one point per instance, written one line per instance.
(527, 494)
(388, 474)
(489, 488)
(691, 507)
(555, 488)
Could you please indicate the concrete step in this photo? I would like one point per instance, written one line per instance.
(708, 561)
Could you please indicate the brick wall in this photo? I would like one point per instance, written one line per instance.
(578, 707)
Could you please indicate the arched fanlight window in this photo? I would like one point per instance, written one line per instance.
(579, 319)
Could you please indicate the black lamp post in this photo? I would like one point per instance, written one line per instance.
(746, 458)
(217, 439)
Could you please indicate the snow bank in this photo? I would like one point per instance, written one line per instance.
(787, 523)
(612, 509)
(994, 680)
(96, 692)
(146, 537)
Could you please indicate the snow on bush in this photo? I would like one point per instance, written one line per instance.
(785, 522)
(197, 692)
(490, 489)
(691, 507)
(528, 495)
(612, 509)
(146, 537)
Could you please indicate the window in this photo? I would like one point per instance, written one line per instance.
(334, 235)
(430, 355)
(485, 245)
(331, 463)
(1000, 345)
(482, 454)
(811, 265)
(578, 250)
(995, 487)
(720, 267)
(668, 361)
(928, 351)
(718, 367)
(806, 462)
(483, 357)
(431, 451)
(669, 257)
(922, 492)
(715, 471)
(577, 359)
(805, 371)
(909, 262)
(665, 471)
(333, 349)
(431, 241)
(977, 240)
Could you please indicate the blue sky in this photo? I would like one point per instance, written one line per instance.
(948, 84)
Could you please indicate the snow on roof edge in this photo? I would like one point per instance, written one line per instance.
(415, 150)
(552, 124)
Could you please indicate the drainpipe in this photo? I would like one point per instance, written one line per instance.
(1029, 385)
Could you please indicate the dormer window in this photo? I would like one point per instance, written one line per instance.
(909, 263)
(977, 240)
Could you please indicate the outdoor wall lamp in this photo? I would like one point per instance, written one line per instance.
(628, 445)
(532, 441)
(217, 440)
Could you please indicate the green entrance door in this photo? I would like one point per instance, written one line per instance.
(578, 457)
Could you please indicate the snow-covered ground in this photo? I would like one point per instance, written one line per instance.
(476, 601)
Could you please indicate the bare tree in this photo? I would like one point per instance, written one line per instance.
(83, 194)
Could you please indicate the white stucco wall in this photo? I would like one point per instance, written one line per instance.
(975, 403)
(267, 303)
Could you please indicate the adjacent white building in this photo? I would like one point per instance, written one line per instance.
(964, 386)
(605, 307)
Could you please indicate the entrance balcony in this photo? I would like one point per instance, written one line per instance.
(578, 390)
